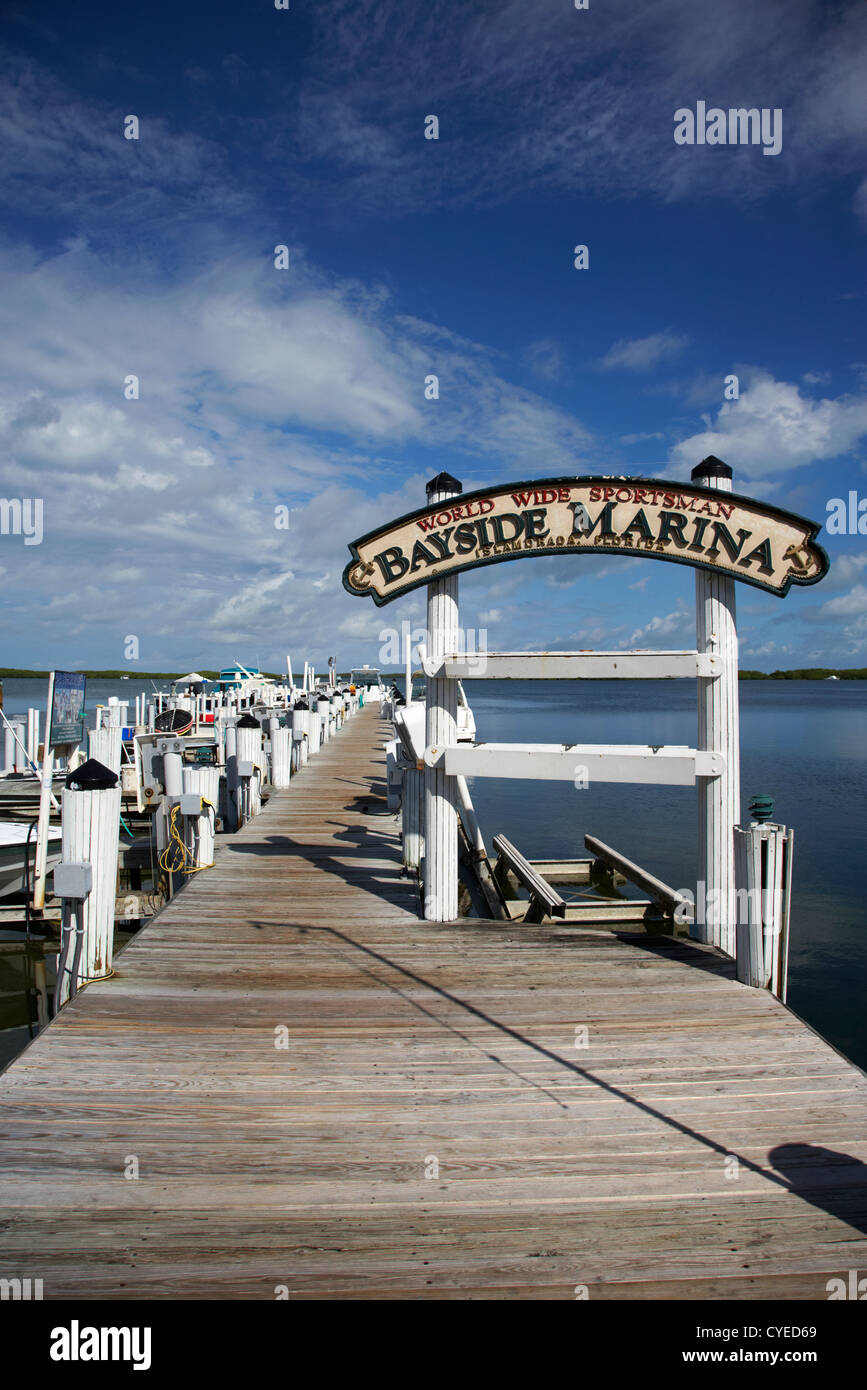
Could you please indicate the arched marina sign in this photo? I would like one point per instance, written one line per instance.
(703, 527)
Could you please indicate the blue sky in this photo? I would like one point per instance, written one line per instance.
(305, 387)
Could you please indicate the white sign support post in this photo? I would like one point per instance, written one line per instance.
(45, 799)
(719, 798)
(441, 715)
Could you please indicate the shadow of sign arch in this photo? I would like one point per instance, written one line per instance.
(720, 531)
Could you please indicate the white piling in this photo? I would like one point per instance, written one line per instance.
(315, 727)
(718, 732)
(301, 725)
(32, 738)
(20, 763)
(232, 793)
(763, 858)
(105, 745)
(249, 754)
(281, 753)
(204, 782)
(173, 774)
(323, 709)
(117, 712)
(440, 819)
(91, 821)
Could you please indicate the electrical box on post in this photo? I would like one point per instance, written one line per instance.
(73, 880)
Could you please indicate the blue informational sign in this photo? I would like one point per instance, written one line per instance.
(67, 708)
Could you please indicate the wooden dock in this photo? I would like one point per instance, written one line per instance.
(325, 1097)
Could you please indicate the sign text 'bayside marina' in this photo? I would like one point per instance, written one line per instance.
(730, 534)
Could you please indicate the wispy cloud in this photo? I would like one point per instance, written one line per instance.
(529, 97)
(641, 354)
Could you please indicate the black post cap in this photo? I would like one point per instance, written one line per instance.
(91, 776)
(711, 467)
(443, 482)
(247, 721)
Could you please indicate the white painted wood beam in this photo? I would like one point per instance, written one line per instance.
(666, 765)
(637, 665)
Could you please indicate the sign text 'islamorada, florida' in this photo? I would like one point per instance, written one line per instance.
(706, 528)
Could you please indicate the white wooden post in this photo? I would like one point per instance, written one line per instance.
(250, 752)
(45, 798)
(719, 798)
(203, 782)
(91, 822)
(301, 726)
(105, 746)
(233, 819)
(763, 860)
(316, 733)
(281, 755)
(21, 760)
(441, 710)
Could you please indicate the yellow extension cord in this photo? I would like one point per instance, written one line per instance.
(182, 862)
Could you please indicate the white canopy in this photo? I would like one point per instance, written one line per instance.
(191, 679)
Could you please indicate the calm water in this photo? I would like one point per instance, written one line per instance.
(802, 742)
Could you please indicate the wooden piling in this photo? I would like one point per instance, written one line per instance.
(91, 822)
(105, 746)
(441, 711)
(718, 732)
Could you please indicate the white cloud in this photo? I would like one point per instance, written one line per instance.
(545, 359)
(641, 354)
(846, 605)
(772, 428)
(672, 624)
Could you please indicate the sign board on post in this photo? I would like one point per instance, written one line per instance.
(722, 535)
(66, 719)
(730, 535)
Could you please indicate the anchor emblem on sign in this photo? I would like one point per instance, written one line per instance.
(800, 556)
(359, 576)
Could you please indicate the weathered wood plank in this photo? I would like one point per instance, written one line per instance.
(438, 1123)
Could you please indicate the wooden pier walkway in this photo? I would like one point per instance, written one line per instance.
(325, 1097)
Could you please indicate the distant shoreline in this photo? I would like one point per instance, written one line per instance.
(806, 673)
